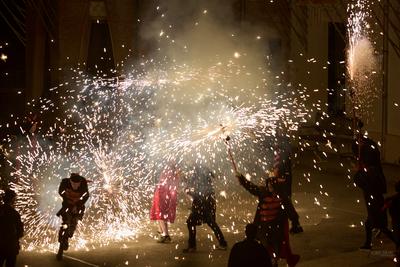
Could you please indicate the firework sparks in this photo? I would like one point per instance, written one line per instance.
(3, 57)
(361, 59)
(119, 133)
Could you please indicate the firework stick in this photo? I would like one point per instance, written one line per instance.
(353, 109)
(226, 141)
(355, 126)
(230, 153)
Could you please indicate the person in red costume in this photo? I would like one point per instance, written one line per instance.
(74, 192)
(163, 209)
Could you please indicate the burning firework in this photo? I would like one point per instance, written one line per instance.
(361, 58)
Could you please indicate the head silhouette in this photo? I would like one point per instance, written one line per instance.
(9, 196)
(75, 180)
(251, 231)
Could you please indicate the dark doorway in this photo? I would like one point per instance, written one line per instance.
(336, 68)
(100, 61)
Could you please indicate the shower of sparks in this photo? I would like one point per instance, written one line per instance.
(361, 58)
(119, 133)
(96, 144)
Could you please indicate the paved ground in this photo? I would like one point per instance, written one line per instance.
(331, 211)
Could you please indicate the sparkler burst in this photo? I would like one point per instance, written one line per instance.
(119, 134)
(100, 148)
(361, 58)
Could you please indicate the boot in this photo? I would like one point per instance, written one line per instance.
(164, 239)
(221, 247)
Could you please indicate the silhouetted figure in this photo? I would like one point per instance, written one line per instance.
(249, 252)
(283, 171)
(271, 219)
(393, 204)
(370, 178)
(163, 209)
(11, 230)
(74, 191)
(203, 210)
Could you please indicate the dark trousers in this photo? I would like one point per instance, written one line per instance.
(285, 190)
(9, 259)
(272, 235)
(396, 234)
(288, 183)
(68, 227)
(368, 232)
(191, 224)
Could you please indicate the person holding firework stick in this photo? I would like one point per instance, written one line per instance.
(271, 219)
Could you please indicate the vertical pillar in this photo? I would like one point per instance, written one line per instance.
(385, 81)
(35, 54)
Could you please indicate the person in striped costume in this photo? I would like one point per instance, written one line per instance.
(271, 219)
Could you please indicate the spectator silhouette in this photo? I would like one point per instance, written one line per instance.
(249, 252)
(11, 230)
(393, 204)
(370, 178)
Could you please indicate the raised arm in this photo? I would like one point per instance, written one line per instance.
(249, 186)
